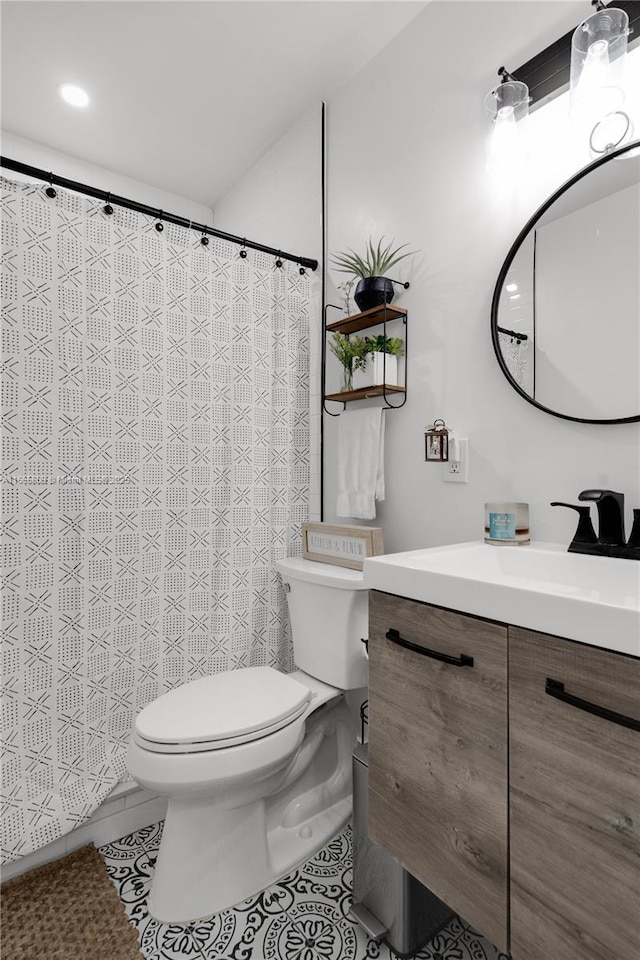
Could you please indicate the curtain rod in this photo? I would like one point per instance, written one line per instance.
(154, 212)
(513, 333)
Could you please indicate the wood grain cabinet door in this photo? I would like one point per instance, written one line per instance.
(575, 801)
(438, 754)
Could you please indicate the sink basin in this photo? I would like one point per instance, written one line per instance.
(594, 600)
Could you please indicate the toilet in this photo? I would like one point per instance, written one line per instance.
(256, 764)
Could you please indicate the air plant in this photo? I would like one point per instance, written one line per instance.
(376, 261)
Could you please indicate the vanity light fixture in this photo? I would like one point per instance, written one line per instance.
(506, 107)
(73, 94)
(598, 48)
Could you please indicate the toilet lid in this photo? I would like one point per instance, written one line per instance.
(236, 705)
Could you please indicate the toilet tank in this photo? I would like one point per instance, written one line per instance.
(329, 609)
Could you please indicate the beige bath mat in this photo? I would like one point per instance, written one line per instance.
(66, 910)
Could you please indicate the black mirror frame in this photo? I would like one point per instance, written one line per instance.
(634, 145)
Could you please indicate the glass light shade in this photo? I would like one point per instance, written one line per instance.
(507, 107)
(598, 49)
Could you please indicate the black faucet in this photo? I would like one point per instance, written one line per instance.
(610, 507)
(610, 541)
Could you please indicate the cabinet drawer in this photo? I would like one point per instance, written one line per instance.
(438, 754)
(575, 802)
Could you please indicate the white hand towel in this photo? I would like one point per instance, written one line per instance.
(360, 462)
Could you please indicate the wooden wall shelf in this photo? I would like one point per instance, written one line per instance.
(375, 317)
(368, 318)
(365, 393)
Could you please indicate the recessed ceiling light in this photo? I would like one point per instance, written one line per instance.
(74, 95)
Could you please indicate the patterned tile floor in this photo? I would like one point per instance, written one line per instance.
(303, 917)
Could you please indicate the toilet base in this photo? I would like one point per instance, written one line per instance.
(213, 856)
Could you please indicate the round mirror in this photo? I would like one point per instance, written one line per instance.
(565, 318)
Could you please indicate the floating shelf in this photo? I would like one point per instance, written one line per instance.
(368, 318)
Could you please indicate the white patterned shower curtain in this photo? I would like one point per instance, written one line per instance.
(515, 353)
(155, 464)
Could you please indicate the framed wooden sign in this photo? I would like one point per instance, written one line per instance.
(341, 545)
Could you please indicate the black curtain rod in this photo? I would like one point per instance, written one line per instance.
(512, 333)
(157, 214)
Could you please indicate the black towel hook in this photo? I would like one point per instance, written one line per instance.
(108, 209)
(279, 259)
(160, 224)
(50, 192)
(243, 252)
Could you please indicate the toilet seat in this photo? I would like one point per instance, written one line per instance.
(223, 710)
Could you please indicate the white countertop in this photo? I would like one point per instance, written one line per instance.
(594, 600)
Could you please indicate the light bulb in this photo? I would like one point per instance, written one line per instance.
(506, 152)
(506, 109)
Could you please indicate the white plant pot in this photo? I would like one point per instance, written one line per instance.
(380, 368)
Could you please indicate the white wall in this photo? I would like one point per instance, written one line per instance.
(279, 203)
(37, 155)
(406, 159)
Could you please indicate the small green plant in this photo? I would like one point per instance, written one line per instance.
(351, 352)
(375, 262)
(382, 344)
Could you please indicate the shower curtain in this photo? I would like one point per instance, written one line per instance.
(515, 353)
(155, 464)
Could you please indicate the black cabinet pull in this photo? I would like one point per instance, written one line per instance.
(555, 688)
(461, 661)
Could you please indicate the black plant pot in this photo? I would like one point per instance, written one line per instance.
(373, 292)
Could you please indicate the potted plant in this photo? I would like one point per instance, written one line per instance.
(373, 288)
(382, 362)
(352, 354)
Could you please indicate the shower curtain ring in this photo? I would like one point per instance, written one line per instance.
(108, 209)
(50, 192)
(160, 224)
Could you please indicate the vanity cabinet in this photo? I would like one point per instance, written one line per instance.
(510, 787)
(438, 753)
(575, 801)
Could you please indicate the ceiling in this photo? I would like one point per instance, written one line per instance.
(185, 94)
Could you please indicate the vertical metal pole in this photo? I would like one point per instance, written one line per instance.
(324, 296)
